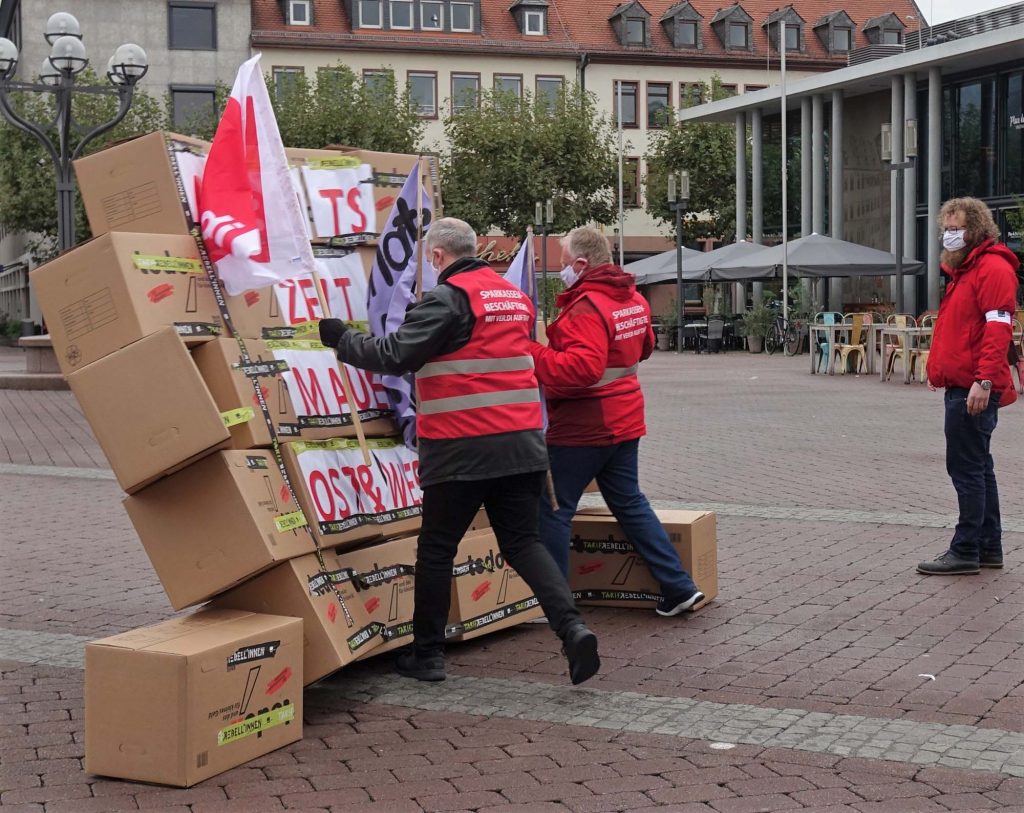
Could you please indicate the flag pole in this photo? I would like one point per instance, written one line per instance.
(785, 214)
(419, 228)
(622, 215)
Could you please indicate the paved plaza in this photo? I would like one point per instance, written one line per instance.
(827, 675)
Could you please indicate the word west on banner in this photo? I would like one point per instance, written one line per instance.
(252, 225)
(393, 286)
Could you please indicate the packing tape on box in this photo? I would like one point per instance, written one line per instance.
(171, 265)
(233, 417)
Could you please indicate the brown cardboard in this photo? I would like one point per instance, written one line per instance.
(120, 287)
(480, 521)
(282, 373)
(604, 569)
(384, 583)
(218, 522)
(131, 187)
(286, 310)
(333, 636)
(149, 409)
(190, 698)
(348, 502)
(487, 594)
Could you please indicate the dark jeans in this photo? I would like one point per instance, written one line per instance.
(448, 509)
(615, 467)
(969, 463)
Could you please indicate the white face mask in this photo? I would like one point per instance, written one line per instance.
(953, 239)
(569, 276)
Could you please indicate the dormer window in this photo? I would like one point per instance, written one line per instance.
(682, 25)
(884, 30)
(732, 26)
(401, 14)
(835, 31)
(462, 16)
(300, 12)
(531, 17)
(369, 13)
(631, 23)
(794, 28)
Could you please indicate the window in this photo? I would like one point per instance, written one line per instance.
(1014, 130)
(631, 183)
(728, 91)
(548, 90)
(628, 103)
(752, 88)
(192, 106)
(891, 38)
(401, 14)
(462, 16)
(842, 39)
(509, 83)
(465, 91)
(533, 23)
(687, 34)
(659, 100)
(691, 93)
(792, 38)
(636, 31)
(285, 81)
(431, 15)
(423, 94)
(377, 82)
(299, 12)
(192, 26)
(738, 37)
(369, 13)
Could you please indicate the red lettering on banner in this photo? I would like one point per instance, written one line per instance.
(321, 493)
(358, 392)
(333, 196)
(338, 387)
(342, 284)
(345, 508)
(412, 478)
(353, 202)
(366, 480)
(313, 400)
(350, 473)
(400, 494)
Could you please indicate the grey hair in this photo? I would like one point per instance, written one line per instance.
(588, 243)
(453, 236)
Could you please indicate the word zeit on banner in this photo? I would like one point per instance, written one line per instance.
(346, 493)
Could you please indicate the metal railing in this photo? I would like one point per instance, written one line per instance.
(14, 293)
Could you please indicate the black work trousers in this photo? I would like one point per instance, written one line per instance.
(448, 510)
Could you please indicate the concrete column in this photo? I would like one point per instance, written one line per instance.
(835, 202)
(910, 196)
(757, 189)
(934, 181)
(805, 187)
(818, 164)
(896, 120)
(741, 176)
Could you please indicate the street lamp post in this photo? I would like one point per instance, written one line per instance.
(678, 203)
(898, 167)
(67, 59)
(544, 218)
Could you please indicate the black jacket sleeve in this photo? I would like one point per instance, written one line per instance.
(440, 323)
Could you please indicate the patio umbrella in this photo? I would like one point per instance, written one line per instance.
(696, 268)
(659, 268)
(814, 256)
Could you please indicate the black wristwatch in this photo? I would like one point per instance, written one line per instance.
(985, 384)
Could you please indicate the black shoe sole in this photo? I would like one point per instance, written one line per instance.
(950, 572)
(682, 606)
(993, 565)
(429, 676)
(584, 661)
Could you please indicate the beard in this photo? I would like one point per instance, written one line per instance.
(954, 259)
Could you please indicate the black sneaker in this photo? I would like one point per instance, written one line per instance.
(995, 561)
(948, 564)
(673, 605)
(580, 648)
(409, 664)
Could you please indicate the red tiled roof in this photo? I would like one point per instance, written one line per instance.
(578, 26)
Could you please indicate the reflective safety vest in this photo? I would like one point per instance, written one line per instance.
(488, 386)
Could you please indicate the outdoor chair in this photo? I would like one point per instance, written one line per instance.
(919, 355)
(715, 333)
(893, 351)
(855, 346)
(823, 349)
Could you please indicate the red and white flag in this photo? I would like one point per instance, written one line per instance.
(253, 226)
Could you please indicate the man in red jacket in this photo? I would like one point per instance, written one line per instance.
(596, 410)
(968, 358)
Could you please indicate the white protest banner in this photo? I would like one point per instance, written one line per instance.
(331, 473)
(345, 286)
(400, 467)
(341, 199)
(190, 168)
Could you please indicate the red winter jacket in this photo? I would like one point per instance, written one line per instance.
(974, 327)
(588, 368)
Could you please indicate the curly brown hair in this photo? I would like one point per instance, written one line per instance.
(977, 218)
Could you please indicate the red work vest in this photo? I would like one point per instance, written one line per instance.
(488, 386)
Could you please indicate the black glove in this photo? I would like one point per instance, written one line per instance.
(331, 331)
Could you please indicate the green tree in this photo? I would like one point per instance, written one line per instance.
(338, 107)
(27, 176)
(508, 152)
(708, 152)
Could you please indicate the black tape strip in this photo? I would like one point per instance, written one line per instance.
(496, 615)
(615, 595)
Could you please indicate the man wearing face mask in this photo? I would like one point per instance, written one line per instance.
(481, 439)
(968, 358)
(596, 410)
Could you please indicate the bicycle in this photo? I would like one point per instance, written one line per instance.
(783, 333)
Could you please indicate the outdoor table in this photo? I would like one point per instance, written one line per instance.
(831, 335)
(910, 338)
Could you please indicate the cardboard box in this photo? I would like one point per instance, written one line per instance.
(120, 287)
(344, 276)
(302, 387)
(131, 186)
(384, 581)
(190, 698)
(487, 594)
(149, 409)
(604, 568)
(218, 522)
(349, 502)
(333, 636)
(480, 521)
(286, 310)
